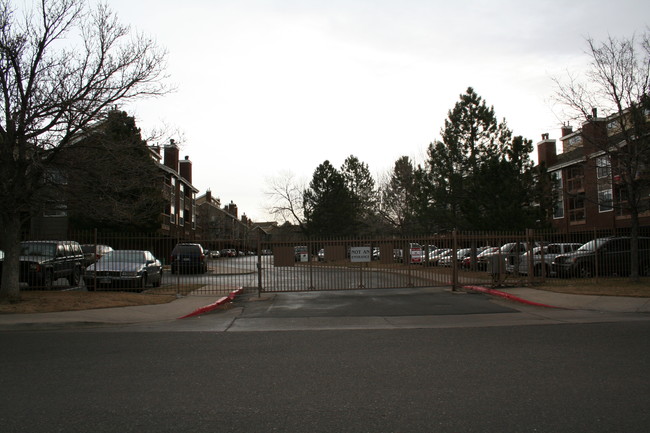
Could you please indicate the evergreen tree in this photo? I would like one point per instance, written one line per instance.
(328, 204)
(478, 177)
(361, 186)
(112, 180)
(398, 195)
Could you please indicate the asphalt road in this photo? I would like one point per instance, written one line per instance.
(554, 378)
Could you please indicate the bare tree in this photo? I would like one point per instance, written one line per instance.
(617, 82)
(286, 199)
(62, 64)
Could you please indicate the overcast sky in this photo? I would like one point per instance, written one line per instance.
(270, 86)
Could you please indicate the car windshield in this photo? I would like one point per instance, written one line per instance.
(592, 245)
(38, 249)
(125, 256)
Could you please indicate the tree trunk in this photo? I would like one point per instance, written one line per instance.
(10, 240)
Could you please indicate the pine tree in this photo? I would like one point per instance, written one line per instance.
(398, 195)
(478, 177)
(361, 186)
(328, 204)
(113, 182)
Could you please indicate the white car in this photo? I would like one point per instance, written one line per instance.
(542, 258)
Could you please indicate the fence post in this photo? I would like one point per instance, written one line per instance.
(596, 265)
(259, 265)
(454, 264)
(530, 260)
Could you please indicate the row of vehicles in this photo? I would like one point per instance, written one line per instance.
(42, 263)
(602, 256)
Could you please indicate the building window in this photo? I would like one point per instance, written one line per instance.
(576, 208)
(558, 192)
(575, 178)
(603, 167)
(55, 209)
(172, 202)
(181, 206)
(193, 211)
(605, 199)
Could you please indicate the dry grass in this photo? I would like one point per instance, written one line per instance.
(51, 301)
(33, 301)
(601, 287)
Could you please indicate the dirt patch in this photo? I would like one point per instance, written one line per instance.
(51, 301)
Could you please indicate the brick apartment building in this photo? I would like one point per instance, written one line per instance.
(179, 217)
(588, 194)
(220, 223)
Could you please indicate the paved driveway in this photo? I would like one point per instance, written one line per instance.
(369, 303)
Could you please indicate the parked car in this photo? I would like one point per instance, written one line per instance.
(228, 252)
(93, 252)
(215, 254)
(436, 255)
(542, 258)
(466, 260)
(125, 268)
(415, 253)
(301, 253)
(604, 256)
(509, 253)
(460, 255)
(44, 262)
(188, 257)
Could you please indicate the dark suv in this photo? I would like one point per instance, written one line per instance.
(43, 262)
(188, 257)
(603, 256)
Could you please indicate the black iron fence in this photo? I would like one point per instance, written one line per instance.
(452, 259)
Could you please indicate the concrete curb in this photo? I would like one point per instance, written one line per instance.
(231, 296)
(508, 296)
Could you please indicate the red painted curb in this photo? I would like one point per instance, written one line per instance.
(507, 296)
(231, 296)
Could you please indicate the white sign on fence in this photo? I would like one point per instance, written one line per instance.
(360, 254)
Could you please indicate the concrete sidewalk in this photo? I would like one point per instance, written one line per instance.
(194, 305)
(107, 316)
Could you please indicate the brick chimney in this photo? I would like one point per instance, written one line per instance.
(185, 169)
(232, 209)
(171, 155)
(566, 130)
(546, 151)
(594, 135)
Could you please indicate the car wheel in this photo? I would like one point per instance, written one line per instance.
(584, 271)
(158, 282)
(48, 280)
(73, 278)
(537, 271)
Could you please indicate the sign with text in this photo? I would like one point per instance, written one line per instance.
(360, 254)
